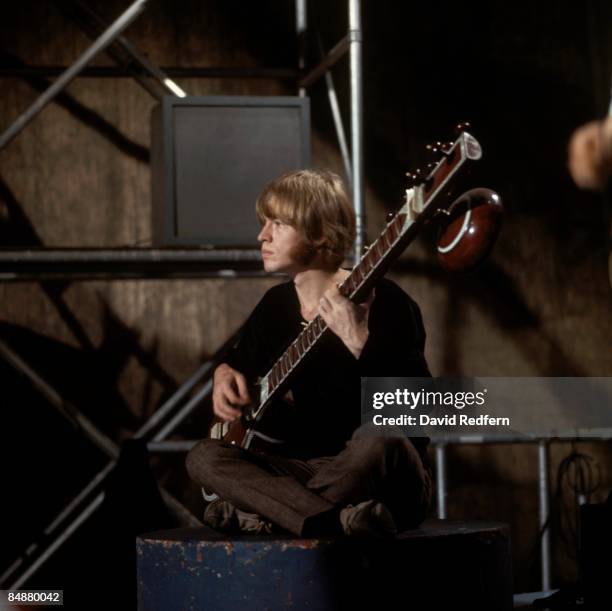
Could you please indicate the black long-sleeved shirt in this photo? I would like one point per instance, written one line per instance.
(326, 387)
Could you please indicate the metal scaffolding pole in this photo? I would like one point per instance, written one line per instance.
(98, 45)
(355, 43)
(56, 544)
(543, 485)
(352, 43)
(441, 480)
(301, 24)
(74, 525)
(106, 445)
(336, 53)
(172, 71)
(178, 396)
(544, 498)
(204, 392)
(161, 413)
(81, 263)
(70, 412)
(125, 53)
(337, 117)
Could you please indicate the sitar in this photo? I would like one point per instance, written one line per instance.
(423, 202)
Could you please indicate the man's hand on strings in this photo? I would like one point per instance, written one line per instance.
(348, 320)
(230, 393)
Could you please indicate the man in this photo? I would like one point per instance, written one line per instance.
(330, 477)
(590, 154)
(590, 165)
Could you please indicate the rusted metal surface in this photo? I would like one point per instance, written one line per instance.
(199, 569)
(258, 572)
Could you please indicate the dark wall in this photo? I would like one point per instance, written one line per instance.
(525, 74)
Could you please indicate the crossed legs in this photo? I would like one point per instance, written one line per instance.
(294, 493)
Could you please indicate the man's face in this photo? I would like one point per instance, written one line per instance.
(279, 244)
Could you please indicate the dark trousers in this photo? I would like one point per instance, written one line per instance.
(290, 492)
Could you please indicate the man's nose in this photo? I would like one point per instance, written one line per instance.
(264, 234)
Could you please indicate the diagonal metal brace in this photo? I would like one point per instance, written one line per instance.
(107, 445)
(70, 73)
(123, 52)
(145, 431)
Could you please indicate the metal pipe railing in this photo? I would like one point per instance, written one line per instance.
(355, 41)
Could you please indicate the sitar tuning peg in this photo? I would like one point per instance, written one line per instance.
(390, 216)
(441, 148)
(417, 176)
(434, 147)
(462, 127)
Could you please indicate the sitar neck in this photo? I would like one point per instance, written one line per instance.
(418, 209)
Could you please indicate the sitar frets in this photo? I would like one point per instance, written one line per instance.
(387, 240)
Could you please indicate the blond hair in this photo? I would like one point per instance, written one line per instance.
(315, 203)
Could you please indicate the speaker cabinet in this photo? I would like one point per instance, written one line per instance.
(211, 157)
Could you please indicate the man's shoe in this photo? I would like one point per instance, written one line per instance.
(253, 523)
(221, 515)
(225, 517)
(370, 518)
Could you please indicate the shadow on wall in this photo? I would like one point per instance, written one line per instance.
(524, 75)
(81, 113)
